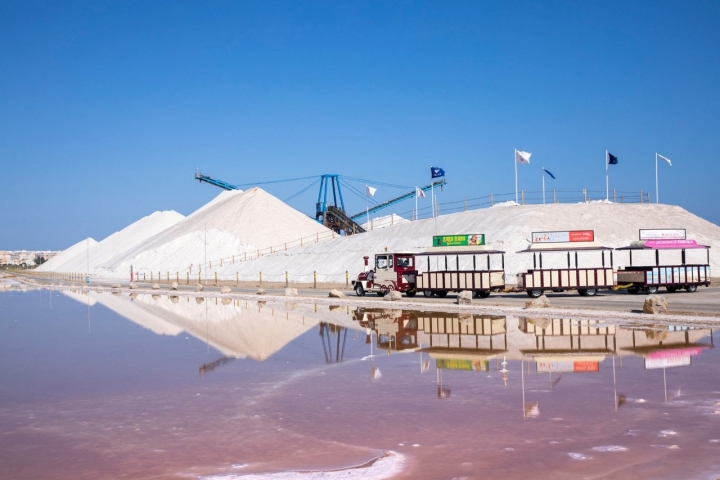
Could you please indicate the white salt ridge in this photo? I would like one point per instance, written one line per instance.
(387, 466)
(67, 254)
(120, 242)
(383, 222)
(507, 229)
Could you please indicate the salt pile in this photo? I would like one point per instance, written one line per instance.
(118, 243)
(232, 223)
(508, 228)
(69, 253)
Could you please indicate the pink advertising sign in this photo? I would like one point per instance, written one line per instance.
(670, 243)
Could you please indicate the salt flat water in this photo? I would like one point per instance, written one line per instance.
(113, 386)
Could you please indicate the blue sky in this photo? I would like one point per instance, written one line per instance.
(107, 108)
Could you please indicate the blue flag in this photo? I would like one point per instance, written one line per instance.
(612, 159)
(436, 172)
(548, 172)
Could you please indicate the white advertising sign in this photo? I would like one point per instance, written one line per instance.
(663, 234)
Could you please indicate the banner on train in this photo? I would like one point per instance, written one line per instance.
(564, 237)
(468, 240)
(663, 234)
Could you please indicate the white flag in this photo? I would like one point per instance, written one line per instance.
(522, 157)
(419, 193)
(666, 159)
(370, 191)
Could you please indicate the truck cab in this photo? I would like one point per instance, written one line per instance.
(392, 271)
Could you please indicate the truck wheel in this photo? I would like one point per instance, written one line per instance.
(591, 292)
(633, 290)
(483, 294)
(359, 290)
(427, 293)
(411, 293)
(652, 289)
(441, 293)
(582, 292)
(691, 288)
(534, 293)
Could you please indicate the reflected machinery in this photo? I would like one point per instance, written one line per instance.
(454, 263)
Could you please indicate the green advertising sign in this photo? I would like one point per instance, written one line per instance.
(471, 239)
(462, 364)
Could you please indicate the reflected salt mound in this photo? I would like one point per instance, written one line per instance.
(237, 329)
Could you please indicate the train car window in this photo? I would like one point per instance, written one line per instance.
(403, 261)
(381, 261)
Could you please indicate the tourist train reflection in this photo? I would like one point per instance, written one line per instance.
(552, 346)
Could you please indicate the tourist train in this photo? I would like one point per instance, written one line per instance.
(457, 263)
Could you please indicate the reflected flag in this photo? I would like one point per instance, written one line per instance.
(612, 159)
(548, 172)
(436, 172)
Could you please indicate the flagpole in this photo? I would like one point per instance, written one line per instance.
(543, 178)
(432, 193)
(657, 196)
(607, 178)
(515, 162)
(416, 195)
(367, 210)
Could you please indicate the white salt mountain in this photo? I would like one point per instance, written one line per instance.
(69, 253)
(507, 229)
(231, 224)
(120, 242)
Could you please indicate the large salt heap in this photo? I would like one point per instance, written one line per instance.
(506, 228)
(69, 253)
(118, 243)
(232, 223)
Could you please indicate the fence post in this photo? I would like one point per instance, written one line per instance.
(286, 279)
(584, 195)
(523, 196)
(648, 197)
(641, 195)
(554, 196)
(301, 241)
(167, 276)
(216, 279)
(199, 279)
(177, 277)
(237, 279)
(492, 202)
(151, 276)
(260, 278)
(347, 278)
(465, 203)
(187, 278)
(314, 279)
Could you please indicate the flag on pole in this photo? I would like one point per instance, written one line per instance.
(419, 192)
(370, 191)
(548, 172)
(666, 159)
(522, 157)
(612, 159)
(436, 172)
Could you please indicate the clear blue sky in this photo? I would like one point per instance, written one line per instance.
(107, 108)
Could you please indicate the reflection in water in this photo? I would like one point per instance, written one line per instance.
(521, 397)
